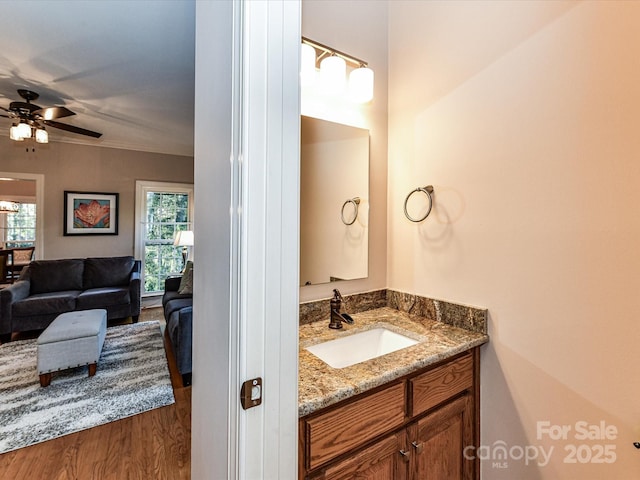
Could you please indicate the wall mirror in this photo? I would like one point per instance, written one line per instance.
(334, 202)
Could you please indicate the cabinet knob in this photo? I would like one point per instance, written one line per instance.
(405, 456)
(418, 446)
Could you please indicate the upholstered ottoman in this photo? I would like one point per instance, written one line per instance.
(73, 339)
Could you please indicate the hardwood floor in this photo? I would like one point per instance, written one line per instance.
(153, 445)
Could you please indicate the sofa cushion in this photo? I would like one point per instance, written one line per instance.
(179, 328)
(46, 303)
(176, 304)
(107, 272)
(103, 297)
(172, 295)
(55, 275)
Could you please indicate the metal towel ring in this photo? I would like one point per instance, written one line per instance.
(428, 190)
(355, 201)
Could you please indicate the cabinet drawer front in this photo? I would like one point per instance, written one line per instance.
(436, 386)
(379, 461)
(339, 430)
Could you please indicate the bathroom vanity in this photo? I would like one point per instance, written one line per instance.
(406, 415)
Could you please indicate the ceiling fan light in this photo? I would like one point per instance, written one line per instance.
(14, 135)
(42, 136)
(24, 130)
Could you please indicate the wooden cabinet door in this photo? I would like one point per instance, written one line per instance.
(380, 461)
(343, 429)
(438, 441)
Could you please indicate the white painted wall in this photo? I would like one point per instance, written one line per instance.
(524, 116)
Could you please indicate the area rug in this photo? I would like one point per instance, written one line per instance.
(132, 378)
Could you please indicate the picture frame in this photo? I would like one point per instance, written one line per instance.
(90, 213)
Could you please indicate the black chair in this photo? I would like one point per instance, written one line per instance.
(21, 257)
(5, 267)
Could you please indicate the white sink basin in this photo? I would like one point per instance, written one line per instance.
(359, 347)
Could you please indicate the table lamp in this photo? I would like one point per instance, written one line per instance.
(184, 239)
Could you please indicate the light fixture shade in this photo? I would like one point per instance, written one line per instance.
(333, 71)
(42, 136)
(361, 85)
(24, 130)
(9, 207)
(307, 65)
(184, 238)
(14, 134)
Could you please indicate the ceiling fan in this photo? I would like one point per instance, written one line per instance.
(30, 119)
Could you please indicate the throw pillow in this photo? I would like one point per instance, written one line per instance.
(186, 282)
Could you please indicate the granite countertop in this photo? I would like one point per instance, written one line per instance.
(320, 385)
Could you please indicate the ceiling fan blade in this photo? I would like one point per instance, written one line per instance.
(72, 128)
(53, 112)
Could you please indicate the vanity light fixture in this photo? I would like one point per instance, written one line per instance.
(361, 84)
(333, 65)
(307, 65)
(333, 70)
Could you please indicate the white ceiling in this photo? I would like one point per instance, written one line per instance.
(126, 68)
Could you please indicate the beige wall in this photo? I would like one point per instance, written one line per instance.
(10, 189)
(524, 116)
(359, 29)
(84, 168)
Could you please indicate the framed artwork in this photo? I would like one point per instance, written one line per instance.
(90, 213)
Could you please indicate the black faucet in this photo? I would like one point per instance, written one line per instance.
(336, 317)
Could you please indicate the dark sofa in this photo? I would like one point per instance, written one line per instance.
(178, 312)
(47, 288)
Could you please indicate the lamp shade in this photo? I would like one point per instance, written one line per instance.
(307, 65)
(361, 85)
(184, 238)
(332, 73)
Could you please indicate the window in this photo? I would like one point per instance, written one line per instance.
(19, 229)
(163, 209)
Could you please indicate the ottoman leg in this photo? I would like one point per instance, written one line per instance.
(45, 379)
(92, 369)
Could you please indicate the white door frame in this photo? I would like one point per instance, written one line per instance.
(246, 266)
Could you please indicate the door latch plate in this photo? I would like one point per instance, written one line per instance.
(251, 393)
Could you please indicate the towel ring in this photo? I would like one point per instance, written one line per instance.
(355, 201)
(428, 190)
